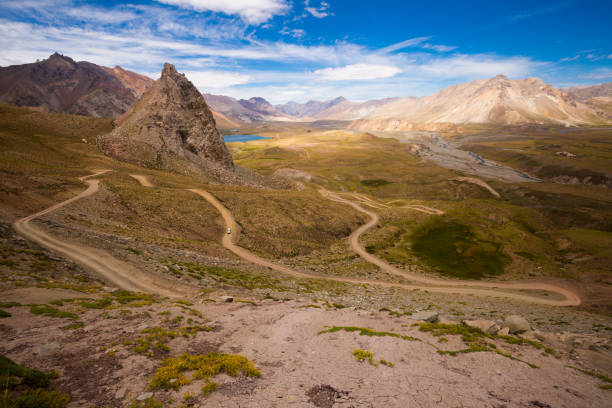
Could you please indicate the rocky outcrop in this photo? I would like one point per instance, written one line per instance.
(59, 84)
(171, 128)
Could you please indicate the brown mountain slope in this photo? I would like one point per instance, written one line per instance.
(59, 84)
(498, 100)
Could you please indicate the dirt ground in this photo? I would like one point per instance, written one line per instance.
(299, 366)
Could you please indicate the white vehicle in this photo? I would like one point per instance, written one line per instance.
(229, 230)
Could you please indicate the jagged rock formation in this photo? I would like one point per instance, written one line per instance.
(59, 84)
(171, 128)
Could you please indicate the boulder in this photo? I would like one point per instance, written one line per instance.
(425, 315)
(516, 324)
(145, 396)
(228, 299)
(504, 331)
(486, 326)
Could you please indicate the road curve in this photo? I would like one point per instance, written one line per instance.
(571, 298)
(447, 287)
(101, 262)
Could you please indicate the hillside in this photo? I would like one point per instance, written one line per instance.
(59, 84)
(498, 100)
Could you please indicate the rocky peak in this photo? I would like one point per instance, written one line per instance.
(171, 127)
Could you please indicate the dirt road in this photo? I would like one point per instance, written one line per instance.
(571, 298)
(431, 285)
(102, 263)
(143, 180)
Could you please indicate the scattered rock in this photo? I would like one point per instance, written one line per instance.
(504, 331)
(120, 393)
(487, 326)
(142, 327)
(48, 348)
(426, 315)
(516, 324)
(325, 396)
(109, 289)
(228, 299)
(446, 320)
(145, 396)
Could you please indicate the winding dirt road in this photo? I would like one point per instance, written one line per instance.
(119, 273)
(127, 277)
(431, 285)
(571, 298)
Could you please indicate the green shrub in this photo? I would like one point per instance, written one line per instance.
(40, 399)
(10, 372)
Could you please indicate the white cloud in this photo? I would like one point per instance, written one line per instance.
(403, 44)
(252, 11)
(568, 59)
(295, 33)
(357, 72)
(478, 66)
(205, 80)
(318, 12)
(439, 48)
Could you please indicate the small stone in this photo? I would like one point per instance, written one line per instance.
(120, 393)
(48, 348)
(516, 324)
(145, 396)
(504, 331)
(109, 289)
(446, 320)
(486, 326)
(142, 327)
(426, 315)
(228, 299)
(172, 380)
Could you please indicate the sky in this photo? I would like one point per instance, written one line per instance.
(304, 50)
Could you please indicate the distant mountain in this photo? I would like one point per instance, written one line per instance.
(599, 97)
(59, 84)
(584, 93)
(498, 100)
(245, 110)
(309, 109)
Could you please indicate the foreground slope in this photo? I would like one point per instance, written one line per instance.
(59, 84)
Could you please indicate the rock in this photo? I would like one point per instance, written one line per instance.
(48, 348)
(171, 128)
(142, 327)
(516, 324)
(109, 289)
(487, 326)
(120, 393)
(504, 331)
(446, 320)
(425, 315)
(228, 299)
(145, 396)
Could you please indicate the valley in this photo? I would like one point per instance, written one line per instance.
(256, 255)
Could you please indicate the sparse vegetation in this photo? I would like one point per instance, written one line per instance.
(363, 355)
(171, 375)
(50, 311)
(362, 331)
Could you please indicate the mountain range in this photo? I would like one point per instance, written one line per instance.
(59, 84)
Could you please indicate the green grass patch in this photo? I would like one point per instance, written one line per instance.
(4, 313)
(7, 305)
(362, 331)
(363, 355)
(38, 399)
(50, 311)
(13, 374)
(202, 367)
(375, 182)
(456, 251)
(607, 380)
(154, 340)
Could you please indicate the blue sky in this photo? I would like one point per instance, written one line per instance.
(312, 49)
